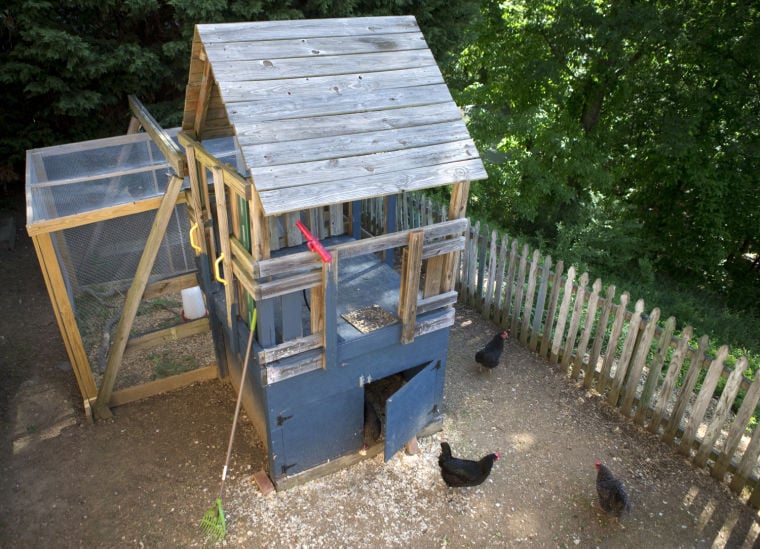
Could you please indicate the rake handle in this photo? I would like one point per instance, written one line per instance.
(237, 404)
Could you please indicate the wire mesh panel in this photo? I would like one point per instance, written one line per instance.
(96, 201)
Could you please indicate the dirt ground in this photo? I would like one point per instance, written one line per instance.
(145, 478)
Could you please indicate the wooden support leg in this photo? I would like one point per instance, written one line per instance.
(134, 296)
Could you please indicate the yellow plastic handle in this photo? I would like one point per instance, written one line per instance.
(193, 243)
(216, 270)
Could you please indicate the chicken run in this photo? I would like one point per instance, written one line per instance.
(290, 128)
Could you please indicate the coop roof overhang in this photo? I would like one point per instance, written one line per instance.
(329, 111)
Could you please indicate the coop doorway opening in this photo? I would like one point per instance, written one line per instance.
(397, 407)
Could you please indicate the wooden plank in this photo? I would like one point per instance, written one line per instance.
(639, 360)
(562, 319)
(747, 463)
(553, 299)
(481, 271)
(204, 94)
(517, 310)
(287, 285)
(313, 66)
(165, 385)
(669, 384)
(434, 302)
(306, 28)
(171, 285)
(290, 348)
(578, 365)
(687, 391)
(601, 334)
(222, 221)
(302, 260)
(612, 343)
(721, 413)
(472, 264)
(172, 333)
(265, 155)
(433, 275)
(538, 313)
(703, 401)
(165, 144)
(134, 296)
(501, 267)
(431, 325)
(738, 428)
(303, 197)
(623, 362)
(337, 84)
(529, 296)
(410, 283)
(492, 258)
(103, 214)
(655, 368)
(318, 46)
(507, 310)
(64, 315)
(359, 165)
(575, 321)
(457, 211)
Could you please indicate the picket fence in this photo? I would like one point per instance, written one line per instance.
(648, 372)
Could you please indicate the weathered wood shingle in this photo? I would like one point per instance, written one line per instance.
(330, 110)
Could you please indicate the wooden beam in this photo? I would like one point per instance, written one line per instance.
(204, 94)
(460, 193)
(224, 240)
(410, 285)
(172, 333)
(64, 315)
(165, 144)
(134, 296)
(152, 388)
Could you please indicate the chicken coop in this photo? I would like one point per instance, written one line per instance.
(290, 129)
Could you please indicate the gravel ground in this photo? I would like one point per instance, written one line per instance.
(145, 478)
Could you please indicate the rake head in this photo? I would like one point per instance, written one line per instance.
(213, 525)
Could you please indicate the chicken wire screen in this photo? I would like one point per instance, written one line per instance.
(99, 261)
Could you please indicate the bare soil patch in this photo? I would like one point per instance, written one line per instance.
(145, 478)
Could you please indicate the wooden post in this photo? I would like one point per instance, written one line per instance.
(721, 412)
(562, 320)
(222, 221)
(653, 376)
(529, 295)
(457, 210)
(410, 285)
(553, 297)
(738, 427)
(134, 296)
(601, 334)
(674, 368)
(593, 301)
(617, 329)
(637, 364)
(64, 314)
(575, 321)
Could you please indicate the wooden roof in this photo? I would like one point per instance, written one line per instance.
(330, 110)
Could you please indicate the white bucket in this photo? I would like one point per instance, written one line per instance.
(193, 305)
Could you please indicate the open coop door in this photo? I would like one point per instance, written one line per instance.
(413, 407)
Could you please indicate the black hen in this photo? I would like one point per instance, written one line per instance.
(489, 355)
(464, 472)
(612, 496)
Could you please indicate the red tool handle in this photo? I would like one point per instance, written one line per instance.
(314, 244)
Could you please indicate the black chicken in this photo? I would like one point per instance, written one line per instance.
(489, 355)
(372, 426)
(612, 496)
(464, 472)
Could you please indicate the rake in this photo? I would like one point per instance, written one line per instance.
(213, 525)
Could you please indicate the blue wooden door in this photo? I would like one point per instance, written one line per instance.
(412, 407)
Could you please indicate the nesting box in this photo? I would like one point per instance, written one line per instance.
(300, 142)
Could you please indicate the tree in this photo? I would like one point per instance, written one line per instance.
(620, 122)
(67, 66)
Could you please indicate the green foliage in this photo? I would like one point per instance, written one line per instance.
(166, 364)
(629, 127)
